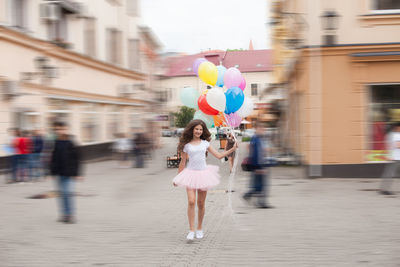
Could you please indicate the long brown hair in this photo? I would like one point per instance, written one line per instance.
(187, 134)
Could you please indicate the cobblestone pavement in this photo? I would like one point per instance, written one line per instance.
(134, 217)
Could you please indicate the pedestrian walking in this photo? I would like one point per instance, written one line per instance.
(65, 166)
(122, 147)
(37, 148)
(229, 144)
(140, 149)
(49, 139)
(10, 151)
(259, 183)
(392, 168)
(197, 176)
(23, 149)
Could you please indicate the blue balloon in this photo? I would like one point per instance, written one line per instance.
(221, 72)
(234, 99)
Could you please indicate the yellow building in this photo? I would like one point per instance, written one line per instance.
(343, 90)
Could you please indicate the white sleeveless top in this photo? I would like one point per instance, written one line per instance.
(197, 155)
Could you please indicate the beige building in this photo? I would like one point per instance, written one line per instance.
(88, 63)
(255, 66)
(343, 82)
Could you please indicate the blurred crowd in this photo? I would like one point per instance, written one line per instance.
(133, 151)
(29, 155)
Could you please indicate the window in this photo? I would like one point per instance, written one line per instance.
(114, 2)
(89, 127)
(57, 104)
(113, 122)
(387, 4)
(133, 54)
(90, 37)
(58, 30)
(132, 7)
(377, 9)
(58, 111)
(254, 89)
(114, 46)
(89, 123)
(135, 120)
(170, 94)
(26, 120)
(383, 112)
(18, 13)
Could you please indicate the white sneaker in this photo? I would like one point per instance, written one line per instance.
(190, 236)
(199, 234)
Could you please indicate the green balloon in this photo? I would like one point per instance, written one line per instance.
(189, 97)
(208, 120)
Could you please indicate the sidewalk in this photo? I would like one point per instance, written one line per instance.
(134, 217)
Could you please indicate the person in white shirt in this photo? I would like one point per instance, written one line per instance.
(391, 170)
(122, 146)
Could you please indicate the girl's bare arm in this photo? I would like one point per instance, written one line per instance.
(182, 164)
(219, 155)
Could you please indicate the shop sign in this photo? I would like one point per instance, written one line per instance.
(377, 155)
(162, 118)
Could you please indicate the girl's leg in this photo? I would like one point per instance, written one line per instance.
(191, 193)
(201, 200)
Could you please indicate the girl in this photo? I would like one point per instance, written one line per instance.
(197, 175)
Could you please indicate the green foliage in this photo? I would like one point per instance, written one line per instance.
(246, 139)
(184, 116)
(240, 49)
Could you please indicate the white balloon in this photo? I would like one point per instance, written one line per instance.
(216, 98)
(247, 107)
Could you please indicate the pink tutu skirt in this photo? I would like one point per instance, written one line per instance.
(198, 179)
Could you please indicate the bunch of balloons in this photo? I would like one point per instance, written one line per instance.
(225, 103)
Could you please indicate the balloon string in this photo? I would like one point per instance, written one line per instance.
(231, 178)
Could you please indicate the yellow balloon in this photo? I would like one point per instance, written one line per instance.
(208, 73)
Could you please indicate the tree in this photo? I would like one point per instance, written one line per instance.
(184, 116)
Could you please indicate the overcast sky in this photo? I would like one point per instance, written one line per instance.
(193, 26)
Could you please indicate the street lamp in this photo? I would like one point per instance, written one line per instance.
(43, 70)
(330, 20)
(41, 62)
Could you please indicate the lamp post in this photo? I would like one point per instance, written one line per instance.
(44, 73)
(330, 20)
(47, 71)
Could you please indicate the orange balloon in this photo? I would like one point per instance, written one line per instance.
(219, 119)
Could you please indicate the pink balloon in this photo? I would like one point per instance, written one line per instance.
(242, 84)
(233, 119)
(232, 78)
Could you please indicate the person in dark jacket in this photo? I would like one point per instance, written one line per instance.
(139, 150)
(65, 166)
(259, 179)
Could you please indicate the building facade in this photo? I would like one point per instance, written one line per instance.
(342, 81)
(87, 63)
